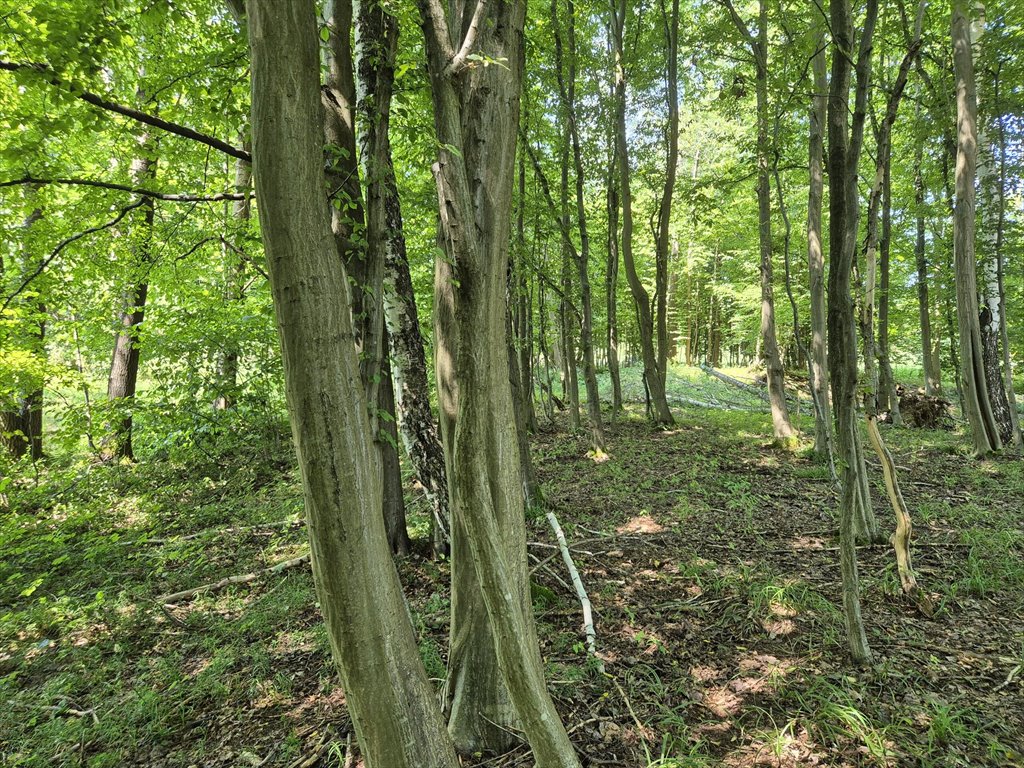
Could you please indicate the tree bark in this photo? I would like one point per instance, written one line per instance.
(611, 287)
(387, 692)
(124, 364)
(774, 371)
(494, 655)
(227, 364)
(661, 243)
(823, 436)
(581, 257)
(843, 153)
(977, 404)
(929, 350)
(652, 375)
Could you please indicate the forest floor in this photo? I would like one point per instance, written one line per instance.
(709, 556)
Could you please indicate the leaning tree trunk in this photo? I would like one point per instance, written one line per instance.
(645, 322)
(998, 245)
(494, 655)
(843, 153)
(392, 704)
(124, 364)
(815, 255)
(977, 404)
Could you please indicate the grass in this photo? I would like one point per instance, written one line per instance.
(730, 605)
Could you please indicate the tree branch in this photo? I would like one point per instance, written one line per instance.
(460, 60)
(66, 242)
(134, 114)
(171, 198)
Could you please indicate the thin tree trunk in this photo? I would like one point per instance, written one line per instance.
(376, 37)
(888, 399)
(977, 404)
(843, 153)
(227, 363)
(652, 375)
(567, 93)
(929, 356)
(124, 364)
(662, 244)
(391, 701)
(823, 436)
(774, 371)
(1000, 228)
(611, 287)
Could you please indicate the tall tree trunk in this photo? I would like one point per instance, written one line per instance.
(652, 375)
(376, 36)
(888, 399)
(990, 296)
(21, 426)
(494, 654)
(977, 404)
(843, 153)
(521, 307)
(124, 364)
(581, 257)
(815, 256)
(227, 363)
(396, 717)
(611, 287)
(929, 350)
(1000, 228)
(774, 372)
(662, 244)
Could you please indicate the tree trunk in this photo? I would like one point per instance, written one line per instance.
(124, 365)
(662, 245)
(1000, 228)
(843, 153)
(977, 404)
(494, 655)
(386, 689)
(888, 399)
(567, 94)
(227, 364)
(929, 358)
(611, 287)
(781, 426)
(395, 524)
(652, 375)
(815, 255)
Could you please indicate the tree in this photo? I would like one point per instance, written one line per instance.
(658, 404)
(843, 153)
(387, 691)
(758, 45)
(475, 86)
(815, 254)
(977, 405)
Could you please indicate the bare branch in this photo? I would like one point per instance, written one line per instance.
(66, 242)
(171, 198)
(134, 114)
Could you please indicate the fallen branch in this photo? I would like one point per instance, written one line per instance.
(581, 592)
(290, 522)
(904, 527)
(244, 578)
